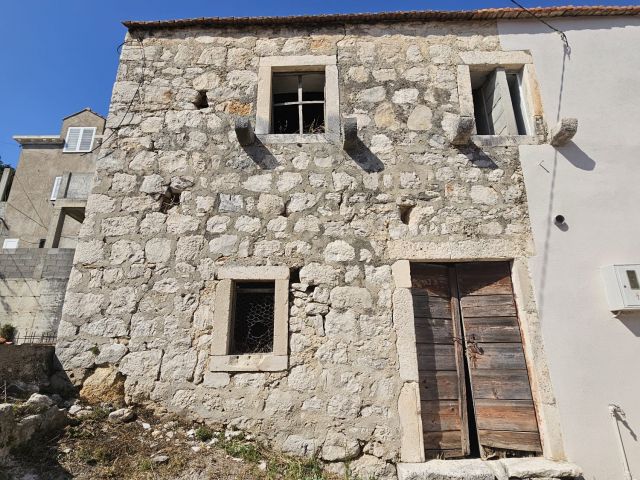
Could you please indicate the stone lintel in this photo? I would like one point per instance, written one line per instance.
(492, 59)
(253, 273)
(564, 131)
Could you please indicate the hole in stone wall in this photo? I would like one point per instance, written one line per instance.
(405, 213)
(201, 100)
(169, 200)
(294, 275)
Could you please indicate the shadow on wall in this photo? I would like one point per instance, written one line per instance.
(365, 158)
(577, 157)
(631, 321)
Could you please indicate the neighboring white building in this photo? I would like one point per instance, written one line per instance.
(592, 181)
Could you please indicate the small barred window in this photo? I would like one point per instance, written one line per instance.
(253, 318)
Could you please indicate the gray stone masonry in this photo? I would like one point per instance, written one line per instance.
(147, 279)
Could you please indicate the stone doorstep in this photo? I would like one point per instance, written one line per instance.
(477, 469)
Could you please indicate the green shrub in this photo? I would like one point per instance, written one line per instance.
(204, 433)
(8, 331)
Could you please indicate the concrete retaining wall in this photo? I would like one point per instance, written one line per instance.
(32, 286)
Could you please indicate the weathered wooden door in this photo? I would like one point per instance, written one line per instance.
(474, 385)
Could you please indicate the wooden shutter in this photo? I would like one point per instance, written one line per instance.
(497, 103)
(86, 139)
(440, 362)
(73, 139)
(79, 139)
(504, 411)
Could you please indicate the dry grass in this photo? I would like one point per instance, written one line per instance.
(96, 449)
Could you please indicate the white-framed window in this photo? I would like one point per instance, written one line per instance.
(79, 139)
(56, 188)
(298, 99)
(10, 243)
(251, 320)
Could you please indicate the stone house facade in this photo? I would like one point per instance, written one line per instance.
(209, 199)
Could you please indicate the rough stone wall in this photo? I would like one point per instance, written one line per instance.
(32, 288)
(143, 284)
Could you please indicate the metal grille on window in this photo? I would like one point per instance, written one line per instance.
(298, 103)
(253, 318)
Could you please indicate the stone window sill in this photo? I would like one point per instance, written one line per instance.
(504, 140)
(266, 362)
(275, 138)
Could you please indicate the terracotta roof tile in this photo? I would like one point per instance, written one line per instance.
(382, 17)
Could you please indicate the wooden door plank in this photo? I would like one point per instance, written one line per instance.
(438, 415)
(436, 357)
(488, 306)
(425, 306)
(484, 278)
(443, 440)
(439, 385)
(440, 454)
(493, 329)
(522, 441)
(432, 279)
(434, 330)
(501, 384)
(506, 415)
(506, 356)
(456, 316)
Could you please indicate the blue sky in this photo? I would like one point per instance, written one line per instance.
(59, 56)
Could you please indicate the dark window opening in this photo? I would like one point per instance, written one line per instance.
(41, 242)
(169, 200)
(201, 100)
(498, 107)
(298, 103)
(253, 318)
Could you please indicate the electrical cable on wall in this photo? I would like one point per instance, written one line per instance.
(130, 104)
(563, 36)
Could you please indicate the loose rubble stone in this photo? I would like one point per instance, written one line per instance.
(122, 415)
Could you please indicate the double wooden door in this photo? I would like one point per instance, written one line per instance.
(474, 386)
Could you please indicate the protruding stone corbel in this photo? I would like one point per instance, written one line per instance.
(563, 131)
(461, 129)
(244, 131)
(350, 133)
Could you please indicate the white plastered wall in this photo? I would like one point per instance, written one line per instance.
(593, 181)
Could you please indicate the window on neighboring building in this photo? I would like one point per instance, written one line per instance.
(79, 139)
(10, 243)
(498, 103)
(298, 102)
(56, 188)
(253, 319)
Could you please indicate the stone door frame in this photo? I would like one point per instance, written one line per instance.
(411, 440)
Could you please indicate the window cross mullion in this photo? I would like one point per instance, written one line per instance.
(300, 120)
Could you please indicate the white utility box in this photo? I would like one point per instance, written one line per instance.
(622, 283)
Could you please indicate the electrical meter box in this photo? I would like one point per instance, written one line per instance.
(622, 283)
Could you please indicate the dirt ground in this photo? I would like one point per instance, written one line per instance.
(92, 447)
